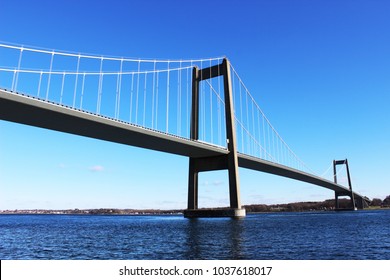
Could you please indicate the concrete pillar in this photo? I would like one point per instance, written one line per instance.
(194, 135)
(234, 185)
(229, 162)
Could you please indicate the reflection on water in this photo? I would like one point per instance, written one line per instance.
(211, 239)
(318, 235)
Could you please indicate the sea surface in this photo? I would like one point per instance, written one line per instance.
(279, 236)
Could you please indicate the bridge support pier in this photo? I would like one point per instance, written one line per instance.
(360, 203)
(350, 193)
(229, 161)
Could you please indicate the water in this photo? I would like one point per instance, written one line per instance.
(317, 235)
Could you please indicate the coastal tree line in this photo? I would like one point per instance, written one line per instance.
(329, 204)
(377, 202)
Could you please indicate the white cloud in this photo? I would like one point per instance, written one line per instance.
(218, 183)
(96, 168)
(214, 183)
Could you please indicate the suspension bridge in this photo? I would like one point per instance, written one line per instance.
(196, 108)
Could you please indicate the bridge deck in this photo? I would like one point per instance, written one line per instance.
(30, 111)
(258, 164)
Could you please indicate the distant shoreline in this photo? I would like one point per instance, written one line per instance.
(327, 205)
(141, 213)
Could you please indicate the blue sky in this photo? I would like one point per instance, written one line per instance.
(320, 70)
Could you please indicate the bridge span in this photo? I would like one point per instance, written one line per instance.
(200, 109)
(27, 110)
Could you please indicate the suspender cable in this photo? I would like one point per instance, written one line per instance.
(144, 113)
(242, 129)
(13, 80)
(136, 98)
(48, 80)
(181, 100)
(273, 144)
(187, 104)
(82, 92)
(211, 110)
(100, 86)
(254, 131)
(131, 96)
(16, 73)
(118, 91)
(269, 141)
(153, 92)
(62, 87)
(264, 138)
(235, 109)
(247, 119)
(254, 136)
(101, 92)
(202, 102)
(219, 109)
(157, 99)
(167, 112)
(259, 132)
(75, 84)
(178, 118)
(39, 84)
(278, 147)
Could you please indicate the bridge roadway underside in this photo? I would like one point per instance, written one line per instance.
(30, 111)
(35, 112)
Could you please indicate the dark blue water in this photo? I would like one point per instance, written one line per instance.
(320, 235)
